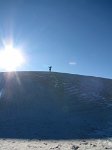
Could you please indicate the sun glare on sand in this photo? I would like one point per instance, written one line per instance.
(11, 58)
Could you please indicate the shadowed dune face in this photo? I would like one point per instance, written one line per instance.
(43, 105)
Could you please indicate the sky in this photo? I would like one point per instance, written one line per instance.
(73, 36)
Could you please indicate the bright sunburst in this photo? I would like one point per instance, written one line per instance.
(10, 58)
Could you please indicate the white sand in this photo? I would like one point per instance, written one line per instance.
(13, 144)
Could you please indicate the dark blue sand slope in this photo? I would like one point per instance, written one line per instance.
(43, 105)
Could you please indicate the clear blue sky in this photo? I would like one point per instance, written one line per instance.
(74, 36)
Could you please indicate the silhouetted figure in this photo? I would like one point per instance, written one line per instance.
(50, 67)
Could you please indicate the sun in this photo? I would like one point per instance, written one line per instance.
(11, 58)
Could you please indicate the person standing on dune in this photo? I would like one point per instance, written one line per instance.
(50, 67)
